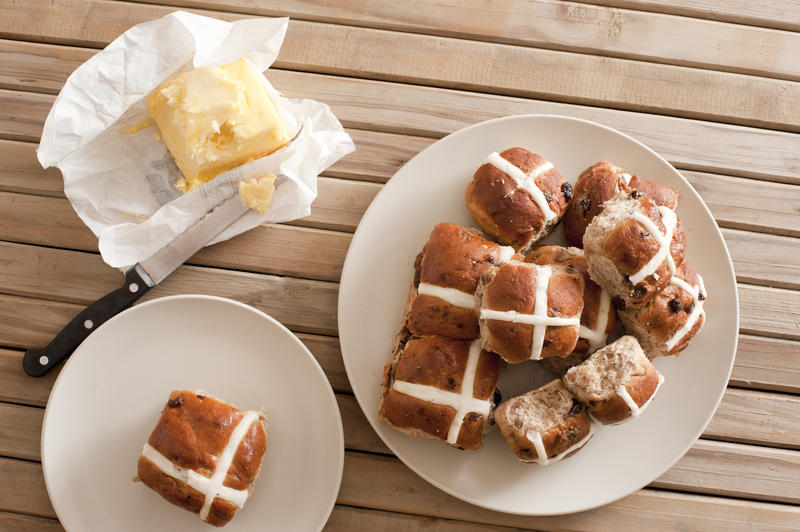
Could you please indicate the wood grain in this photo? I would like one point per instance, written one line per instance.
(738, 471)
(26, 523)
(717, 467)
(382, 482)
(397, 109)
(552, 24)
(737, 203)
(761, 363)
(457, 63)
(305, 305)
(385, 483)
(20, 431)
(347, 519)
(315, 254)
(767, 13)
(767, 364)
(429, 111)
(759, 418)
(23, 489)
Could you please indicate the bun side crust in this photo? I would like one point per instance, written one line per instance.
(664, 315)
(507, 212)
(596, 382)
(439, 362)
(574, 259)
(173, 490)
(552, 412)
(614, 409)
(599, 183)
(512, 287)
(429, 315)
(617, 246)
(596, 185)
(453, 257)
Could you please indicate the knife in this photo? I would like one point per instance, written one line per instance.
(141, 278)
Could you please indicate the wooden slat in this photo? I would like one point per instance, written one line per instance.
(26, 523)
(348, 519)
(278, 249)
(23, 489)
(735, 202)
(767, 364)
(430, 111)
(768, 13)
(734, 470)
(761, 363)
(20, 431)
(385, 483)
(301, 304)
(717, 467)
(309, 306)
(457, 63)
(559, 25)
(764, 259)
(758, 418)
(769, 311)
(749, 204)
(743, 416)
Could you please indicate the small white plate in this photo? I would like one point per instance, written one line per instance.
(620, 460)
(110, 393)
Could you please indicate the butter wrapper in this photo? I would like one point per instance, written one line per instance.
(118, 174)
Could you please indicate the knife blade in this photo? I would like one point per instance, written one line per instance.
(142, 276)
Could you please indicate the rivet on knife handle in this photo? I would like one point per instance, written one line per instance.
(38, 362)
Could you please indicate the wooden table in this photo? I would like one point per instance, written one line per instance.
(712, 85)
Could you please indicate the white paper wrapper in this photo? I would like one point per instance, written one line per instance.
(121, 182)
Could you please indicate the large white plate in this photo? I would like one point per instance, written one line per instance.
(109, 395)
(430, 189)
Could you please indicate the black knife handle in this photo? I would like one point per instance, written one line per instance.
(38, 362)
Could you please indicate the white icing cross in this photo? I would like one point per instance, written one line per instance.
(597, 336)
(635, 409)
(541, 453)
(454, 296)
(539, 319)
(525, 181)
(463, 403)
(664, 242)
(697, 309)
(212, 487)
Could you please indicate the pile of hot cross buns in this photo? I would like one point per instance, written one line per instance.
(481, 300)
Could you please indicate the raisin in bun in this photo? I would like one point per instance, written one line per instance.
(666, 323)
(517, 197)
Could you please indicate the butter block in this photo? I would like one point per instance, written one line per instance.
(213, 119)
(258, 193)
